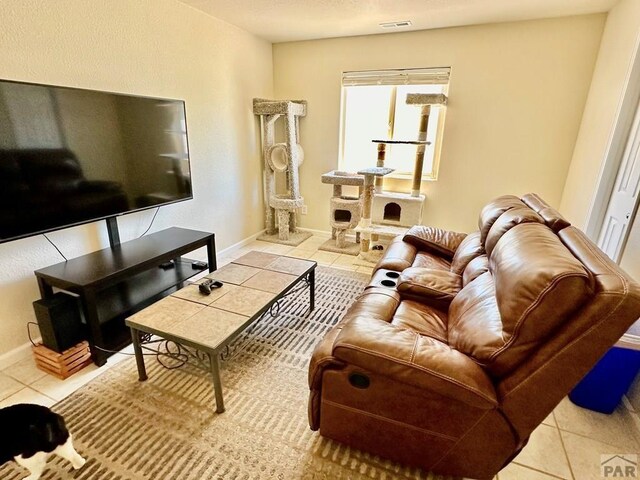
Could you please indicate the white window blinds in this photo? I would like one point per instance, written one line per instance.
(413, 76)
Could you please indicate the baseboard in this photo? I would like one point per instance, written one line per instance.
(17, 354)
(239, 244)
(322, 233)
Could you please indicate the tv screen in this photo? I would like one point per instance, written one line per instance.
(70, 156)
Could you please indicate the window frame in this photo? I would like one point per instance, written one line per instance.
(432, 175)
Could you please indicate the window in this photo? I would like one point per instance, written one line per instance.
(374, 108)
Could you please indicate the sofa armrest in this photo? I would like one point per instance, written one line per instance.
(431, 286)
(433, 239)
(414, 359)
(398, 256)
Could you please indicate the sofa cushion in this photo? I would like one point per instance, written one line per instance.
(476, 267)
(430, 260)
(533, 285)
(491, 211)
(469, 249)
(435, 240)
(551, 216)
(431, 286)
(508, 220)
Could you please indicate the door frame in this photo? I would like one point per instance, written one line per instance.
(616, 144)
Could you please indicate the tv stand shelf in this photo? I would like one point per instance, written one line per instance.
(116, 282)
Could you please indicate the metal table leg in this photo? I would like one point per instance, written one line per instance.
(217, 383)
(142, 371)
(312, 289)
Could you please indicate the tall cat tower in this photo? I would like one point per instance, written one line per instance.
(281, 160)
(387, 214)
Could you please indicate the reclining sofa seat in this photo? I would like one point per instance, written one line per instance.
(483, 336)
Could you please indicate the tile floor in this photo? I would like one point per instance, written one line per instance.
(568, 445)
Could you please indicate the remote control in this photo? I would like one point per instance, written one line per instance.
(167, 265)
(199, 265)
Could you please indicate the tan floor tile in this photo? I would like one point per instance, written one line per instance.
(277, 248)
(345, 260)
(544, 452)
(364, 263)
(550, 420)
(617, 429)
(312, 243)
(324, 258)
(300, 253)
(349, 268)
(257, 245)
(60, 389)
(9, 386)
(116, 358)
(25, 371)
(27, 395)
(585, 455)
(513, 471)
(238, 252)
(367, 270)
(225, 260)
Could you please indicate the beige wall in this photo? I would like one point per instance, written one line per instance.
(517, 94)
(601, 110)
(159, 48)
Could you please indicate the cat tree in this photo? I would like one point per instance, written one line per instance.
(284, 160)
(388, 214)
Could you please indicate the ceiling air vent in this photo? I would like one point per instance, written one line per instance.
(404, 23)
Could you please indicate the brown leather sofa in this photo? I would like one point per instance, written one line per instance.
(463, 344)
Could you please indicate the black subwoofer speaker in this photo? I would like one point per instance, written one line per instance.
(60, 321)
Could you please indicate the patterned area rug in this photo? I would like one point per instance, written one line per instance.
(166, 428)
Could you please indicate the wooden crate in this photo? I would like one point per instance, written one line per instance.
(65, 364)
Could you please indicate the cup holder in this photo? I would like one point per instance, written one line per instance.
(392, 274)
(388, 283)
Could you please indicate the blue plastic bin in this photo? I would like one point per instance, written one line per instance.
(603, 387)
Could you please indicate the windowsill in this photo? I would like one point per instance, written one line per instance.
(409, 176)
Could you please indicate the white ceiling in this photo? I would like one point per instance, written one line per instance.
(289, 20)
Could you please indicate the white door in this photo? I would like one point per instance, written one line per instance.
(624, 198)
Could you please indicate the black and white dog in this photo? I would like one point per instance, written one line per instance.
(30, 433)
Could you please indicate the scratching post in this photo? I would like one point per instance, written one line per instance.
(380, 164)
(425, 101)
(422, 136)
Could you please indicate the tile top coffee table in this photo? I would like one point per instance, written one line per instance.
(208, 323)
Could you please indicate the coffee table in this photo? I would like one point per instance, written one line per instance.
(252, 284)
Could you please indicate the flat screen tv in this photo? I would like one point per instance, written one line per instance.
(70, 156)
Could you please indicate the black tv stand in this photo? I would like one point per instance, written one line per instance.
(116, 282)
